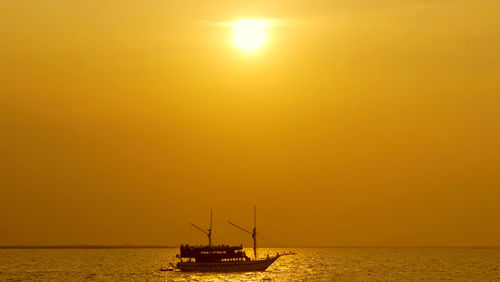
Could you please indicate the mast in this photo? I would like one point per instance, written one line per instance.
(208, 232)
(254, 231)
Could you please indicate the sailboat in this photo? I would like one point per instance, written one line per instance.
(222, 258)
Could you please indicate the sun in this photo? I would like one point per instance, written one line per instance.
(250, 34)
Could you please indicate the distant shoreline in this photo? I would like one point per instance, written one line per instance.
(90, 247)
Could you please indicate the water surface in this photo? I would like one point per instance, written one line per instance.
(320, 264)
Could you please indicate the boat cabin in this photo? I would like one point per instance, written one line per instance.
(218, 253)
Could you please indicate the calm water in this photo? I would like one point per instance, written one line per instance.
(308, 264)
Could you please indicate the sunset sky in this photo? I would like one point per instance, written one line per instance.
(351, 123)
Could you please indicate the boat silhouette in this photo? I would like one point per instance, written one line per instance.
(222, 258)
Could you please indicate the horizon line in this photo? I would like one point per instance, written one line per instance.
(174, 247)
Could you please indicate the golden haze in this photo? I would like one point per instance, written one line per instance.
(358, 123)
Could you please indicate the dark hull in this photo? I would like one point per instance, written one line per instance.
(230, 266)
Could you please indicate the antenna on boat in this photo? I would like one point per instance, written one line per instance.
(208, 232)
(254, 231)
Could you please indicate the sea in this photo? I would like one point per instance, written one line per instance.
(308, 264)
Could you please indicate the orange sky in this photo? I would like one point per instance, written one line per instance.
(359, 123)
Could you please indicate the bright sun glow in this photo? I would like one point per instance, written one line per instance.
(250, 34)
